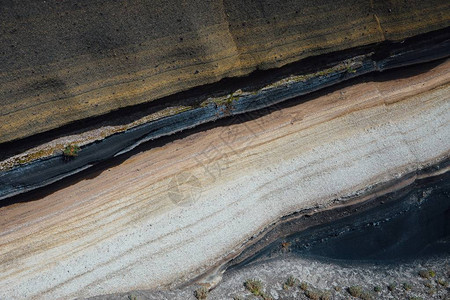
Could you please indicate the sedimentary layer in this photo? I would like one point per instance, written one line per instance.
(46, 164)
(160, 217)
(63, 61)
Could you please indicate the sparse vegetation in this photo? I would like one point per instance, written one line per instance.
(303, 286)
(325, 296)
(432, 273)
(358, 292)
(224, 100)
(201, 293)
(365, 296)
(314, 295)
(392, 286)
(290, 282)
(427, 274)
(355, 291)
(442, 282)
(424, 274)
(254, 286)
(71, 151)
(350, 70)
(407, 286)
(405, 289)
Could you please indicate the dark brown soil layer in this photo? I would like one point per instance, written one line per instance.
(63, 61)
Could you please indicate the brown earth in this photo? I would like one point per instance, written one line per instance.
(63, 61)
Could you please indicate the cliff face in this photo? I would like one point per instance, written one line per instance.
(159, 211)
(169, 214)
(63, 61)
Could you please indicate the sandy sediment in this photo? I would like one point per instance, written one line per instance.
(382, 246)
(161, 216)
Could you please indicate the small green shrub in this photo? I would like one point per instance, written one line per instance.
(365, 296)
(71, 151)
(355, 291)
(424, 274)
(254, 286)
(303, 286)
(350, 70)
(407, 286)
(312, 295)
(201, 293)
(377, 289)
(427, 274)
(290, 282)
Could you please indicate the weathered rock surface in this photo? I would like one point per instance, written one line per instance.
(161, 216)
(323, 277)
(63, 61)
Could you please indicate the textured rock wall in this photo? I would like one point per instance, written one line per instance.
(160, 217)
(67, 60)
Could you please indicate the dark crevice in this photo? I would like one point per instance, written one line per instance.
(407, 224)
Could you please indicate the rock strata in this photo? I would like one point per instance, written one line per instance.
(46, 164)
(159, 218)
